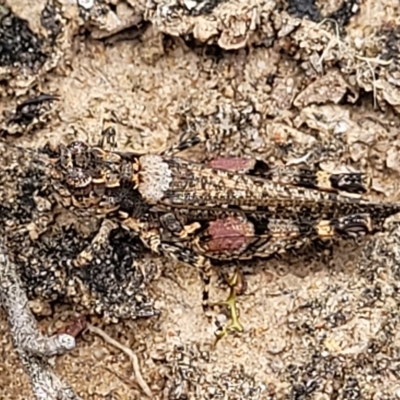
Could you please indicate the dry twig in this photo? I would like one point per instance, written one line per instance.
(135, 362)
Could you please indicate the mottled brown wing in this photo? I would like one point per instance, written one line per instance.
(351, 182)
(181, 184)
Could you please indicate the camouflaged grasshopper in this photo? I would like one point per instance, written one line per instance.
(227, 209)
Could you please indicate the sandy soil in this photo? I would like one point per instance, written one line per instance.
(313, 329)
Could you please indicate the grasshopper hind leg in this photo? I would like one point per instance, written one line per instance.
(203, 265)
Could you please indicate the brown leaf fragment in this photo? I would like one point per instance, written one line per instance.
(74, 327)
(330, 88)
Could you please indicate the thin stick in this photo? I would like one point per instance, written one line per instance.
(135, 362)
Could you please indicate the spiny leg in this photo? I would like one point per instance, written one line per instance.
(279, 236)
(234, 239)
(275, 245)
(186, 141)
(203, 265)
(189, 257)
(205, 272)
(151, 238)
(108, 137)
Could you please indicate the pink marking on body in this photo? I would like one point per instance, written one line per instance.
(234, 164)
(230, 234)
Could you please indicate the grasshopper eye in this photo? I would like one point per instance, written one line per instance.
(77, 147)
(78, 179)
(78, 153)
